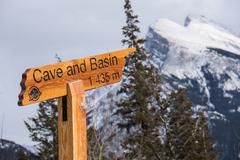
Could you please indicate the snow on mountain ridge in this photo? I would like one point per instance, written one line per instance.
(198, 33)
(200, 19)
(189, 50)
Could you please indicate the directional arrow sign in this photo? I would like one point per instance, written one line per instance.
(47, 82)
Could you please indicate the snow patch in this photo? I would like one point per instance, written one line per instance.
(216, 115)
(238, 109)
(233, 83)
(232, 110)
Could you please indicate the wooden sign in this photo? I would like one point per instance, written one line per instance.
(68, 81)
(47, 82)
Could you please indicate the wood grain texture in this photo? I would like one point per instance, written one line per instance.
(47, 82)
(73, 132)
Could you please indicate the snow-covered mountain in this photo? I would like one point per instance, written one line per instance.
(204, 57)
(200, 55)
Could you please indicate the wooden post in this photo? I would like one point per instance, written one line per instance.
(72, 130)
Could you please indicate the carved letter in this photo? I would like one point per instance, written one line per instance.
(34, 77)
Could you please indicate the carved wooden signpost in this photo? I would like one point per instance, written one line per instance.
(68, 81)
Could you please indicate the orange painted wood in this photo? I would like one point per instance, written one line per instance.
(72, 134)
(47, 82)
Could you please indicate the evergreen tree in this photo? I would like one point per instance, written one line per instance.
(179, 132)
(187, 138)
(144, 113)
(140, 106)
(204, 149)
(43, 130)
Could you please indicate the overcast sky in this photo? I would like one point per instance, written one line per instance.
(33, 31)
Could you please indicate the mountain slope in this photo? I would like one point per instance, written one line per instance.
(12, 151)
(205, 58)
